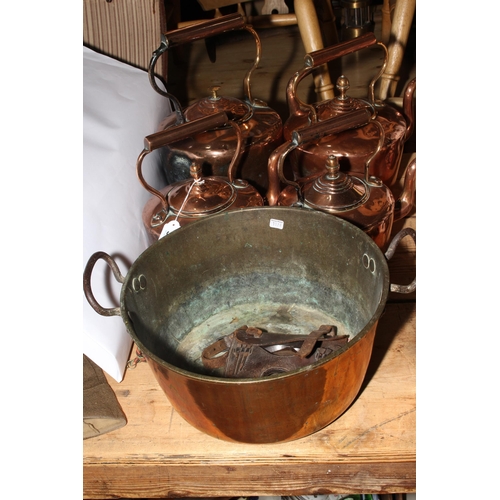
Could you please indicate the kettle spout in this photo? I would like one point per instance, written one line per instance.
(406, 201)
(275, 171)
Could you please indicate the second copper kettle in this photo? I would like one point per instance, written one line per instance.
(261, 126)
(186, 201)
(363, 200)
(352, 147)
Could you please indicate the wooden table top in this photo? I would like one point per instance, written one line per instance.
(371, 448)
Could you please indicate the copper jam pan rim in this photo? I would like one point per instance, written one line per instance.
(246, 381)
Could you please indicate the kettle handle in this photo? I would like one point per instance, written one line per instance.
(87, 288)
(173, 134)
(322, 56)
(317, 130)
(315, 59)
(407, 231)
(334, 125)
(204, 29)
(191, 33)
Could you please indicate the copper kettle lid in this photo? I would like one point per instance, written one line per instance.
(335, 191)
(341, 103)
(235, 109)
(200, 195)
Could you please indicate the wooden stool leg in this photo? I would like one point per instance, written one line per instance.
(310, 32)
(400, 30)
(386, 22)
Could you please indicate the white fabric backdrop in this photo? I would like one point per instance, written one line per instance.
(120, 108)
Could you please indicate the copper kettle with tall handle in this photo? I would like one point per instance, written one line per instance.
(261, 126)
(186, 201)
(362, 199)
(352, 147)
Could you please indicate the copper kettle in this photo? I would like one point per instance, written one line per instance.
(364, 200)
(352, 147)
(188, 200)
(261, 127)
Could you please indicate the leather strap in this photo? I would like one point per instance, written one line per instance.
(210, 355)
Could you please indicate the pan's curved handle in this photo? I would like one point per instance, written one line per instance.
(87, 288)
(407, 231)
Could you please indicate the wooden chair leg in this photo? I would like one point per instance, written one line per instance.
(400, 30)
(386, 22)
(310, 32)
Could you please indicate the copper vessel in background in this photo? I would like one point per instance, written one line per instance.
(261, 126)
(353, 148)
(364, 200)
(185, 201)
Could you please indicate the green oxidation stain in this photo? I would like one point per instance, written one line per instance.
(274, 288)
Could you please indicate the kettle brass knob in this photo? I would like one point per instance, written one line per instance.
(332, 167)
(195, 171)
(343, 86)
(213, 91)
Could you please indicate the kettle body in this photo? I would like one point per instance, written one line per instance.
(261, 127)
(353, 147)
(185, 201)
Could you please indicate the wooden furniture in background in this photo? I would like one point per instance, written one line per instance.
(316, 22)
(397, 18)
(130, 31)
(127, 30)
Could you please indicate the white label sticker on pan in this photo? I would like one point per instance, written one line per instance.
(278, 224)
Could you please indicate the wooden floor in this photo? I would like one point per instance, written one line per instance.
(191, 73)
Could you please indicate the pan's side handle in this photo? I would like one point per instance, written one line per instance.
(408, 231)
(114, 311)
